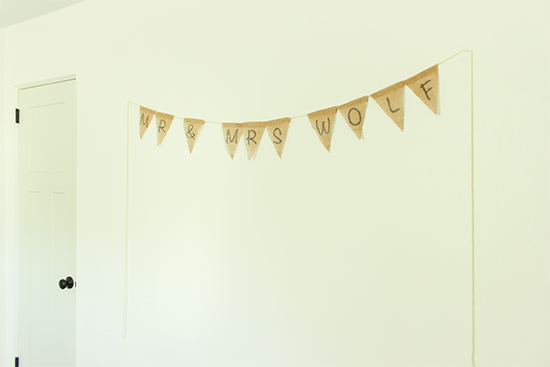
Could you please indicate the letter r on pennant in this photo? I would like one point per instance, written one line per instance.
(162, 125)
(250, 138)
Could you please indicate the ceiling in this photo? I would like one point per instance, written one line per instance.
(17, 11)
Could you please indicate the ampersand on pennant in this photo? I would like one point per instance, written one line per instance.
(192, 129)
(189, 132)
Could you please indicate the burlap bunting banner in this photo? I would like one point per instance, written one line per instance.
(164, 121)
(278, 131)
(192, 129)
(391, 101)
(426, 86)
(354, 114)
(252, 135)
(232, 134)
(145, 117)
(323, 123)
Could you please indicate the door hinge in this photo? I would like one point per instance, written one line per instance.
(16, 361)
(17, 115)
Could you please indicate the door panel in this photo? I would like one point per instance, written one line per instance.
(46, 153)
(47, 225)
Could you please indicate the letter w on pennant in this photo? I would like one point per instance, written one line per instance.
(323, 123)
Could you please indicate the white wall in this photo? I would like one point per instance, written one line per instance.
(357, 257)
(3, 299)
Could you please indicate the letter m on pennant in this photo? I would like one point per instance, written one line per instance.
(229, 139)
(146, 116)
(232, 134)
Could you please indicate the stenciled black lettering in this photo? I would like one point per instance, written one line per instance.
(426, 90)
(162, 125)
(189, 133)
(228, 138)
(143, 120)
(389, 105)
(323, 130)
(251, 138)
(358, 115)
(277, 137)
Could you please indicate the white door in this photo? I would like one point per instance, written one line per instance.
(47, 225)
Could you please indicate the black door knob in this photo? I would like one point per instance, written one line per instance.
(66, 283)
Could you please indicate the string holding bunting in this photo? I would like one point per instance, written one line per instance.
(425, 85)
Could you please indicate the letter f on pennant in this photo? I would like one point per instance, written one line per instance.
(426, 86)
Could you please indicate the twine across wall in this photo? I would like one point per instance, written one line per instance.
(472, 186)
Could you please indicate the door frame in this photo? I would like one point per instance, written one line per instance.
(11, 212)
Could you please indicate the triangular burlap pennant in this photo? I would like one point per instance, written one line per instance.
(278, 130)
(426, 86)
(232, 134)
(323, 123)
(145, 117)
(354, 114)
(252, 134)
(192, 129)
(391, 101)
(164, 121)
